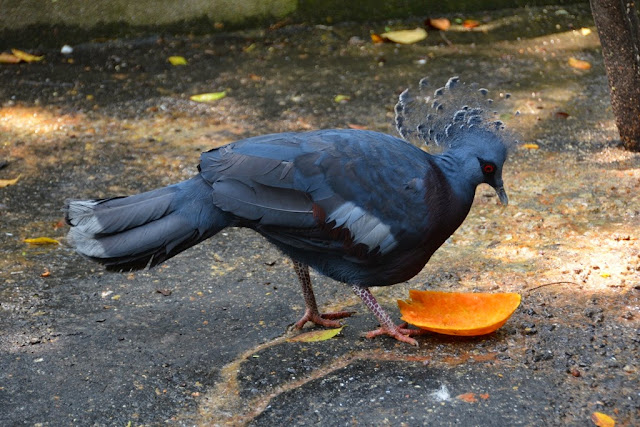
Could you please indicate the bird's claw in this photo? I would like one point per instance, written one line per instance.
(400, 332)
(323, 319)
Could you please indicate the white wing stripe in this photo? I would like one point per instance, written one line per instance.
(364, 227)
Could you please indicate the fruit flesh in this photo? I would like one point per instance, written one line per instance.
(458, 313)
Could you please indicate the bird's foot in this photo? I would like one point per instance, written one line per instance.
(323, 319)
(400, 332)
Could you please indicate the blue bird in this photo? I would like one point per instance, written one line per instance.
(362, 207)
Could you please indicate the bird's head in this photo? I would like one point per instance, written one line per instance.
(463, 121)
(483, 155)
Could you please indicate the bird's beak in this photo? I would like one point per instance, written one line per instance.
(502, 195)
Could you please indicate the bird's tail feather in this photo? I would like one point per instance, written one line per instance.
(130, 233)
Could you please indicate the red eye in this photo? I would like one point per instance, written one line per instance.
(488, 168)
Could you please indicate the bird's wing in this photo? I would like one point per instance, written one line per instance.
(253, 179)
(328, 189)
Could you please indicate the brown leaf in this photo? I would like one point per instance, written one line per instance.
(579, 64)
(561, 115)
(280, 24)
(376, 38)
(470, 23)
(467, 397)
(442, 24)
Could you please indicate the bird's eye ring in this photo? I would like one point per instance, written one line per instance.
(488, 168)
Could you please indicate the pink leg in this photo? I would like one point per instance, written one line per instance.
(387, 326)
(311, 313)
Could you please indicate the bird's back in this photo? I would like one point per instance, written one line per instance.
(361, 207)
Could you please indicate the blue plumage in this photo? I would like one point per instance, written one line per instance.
(362, 207)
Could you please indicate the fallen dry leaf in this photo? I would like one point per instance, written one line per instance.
(458, 313)
(342, 98)
(7, 58)
(467, 397)
(46, 273)
(530, 146)
(40, 241)
(602, 420)
(315, 336)
(470, 23)
(561, 114)
(442, 24)
(280, 24)
(405, 36)
(208, 97)
(177, 60)
(376, 38)
(579, 64)
(8, 182)
(585, 31)
(26, 57)
(356, 126)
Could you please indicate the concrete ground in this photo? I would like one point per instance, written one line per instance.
(203, 339)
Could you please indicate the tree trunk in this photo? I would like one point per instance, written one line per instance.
(617, 23)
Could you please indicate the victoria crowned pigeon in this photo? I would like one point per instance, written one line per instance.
(362, 207)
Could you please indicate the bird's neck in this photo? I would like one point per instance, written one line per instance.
(454, 169)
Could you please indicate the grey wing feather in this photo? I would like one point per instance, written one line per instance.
(267, 205)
